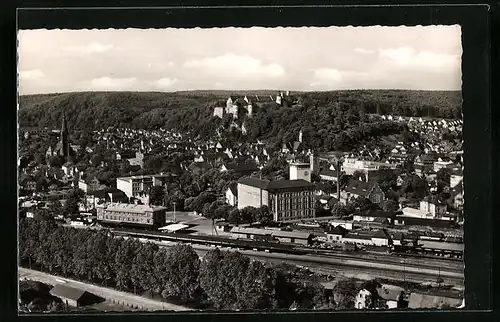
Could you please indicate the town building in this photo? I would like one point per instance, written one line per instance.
(135, 186)
(73, 297)
(430, 301)
(361, 189)
(300, 171)
(286, 199)
(131, 214)
(63, 148)
(232, 194)
(294, 237)
(351, 165)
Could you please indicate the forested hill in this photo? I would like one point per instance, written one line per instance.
(194, 109)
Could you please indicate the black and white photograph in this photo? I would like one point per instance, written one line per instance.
(240, 169)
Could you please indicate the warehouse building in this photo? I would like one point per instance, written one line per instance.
(131, 214)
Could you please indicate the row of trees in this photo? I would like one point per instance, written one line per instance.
(177, 273)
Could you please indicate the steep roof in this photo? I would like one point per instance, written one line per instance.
(255, 182)
(390, 292)
(287, 184)
(68, 292)
(276, 184)
(337, 230)
(427, 301)
(234, 188)
(359, 188)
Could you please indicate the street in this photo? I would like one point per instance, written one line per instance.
(112, 296)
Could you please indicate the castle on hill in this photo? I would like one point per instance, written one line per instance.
(247, 105)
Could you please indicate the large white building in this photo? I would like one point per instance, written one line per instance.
(138, 185)
(351, 165)
(300, 171)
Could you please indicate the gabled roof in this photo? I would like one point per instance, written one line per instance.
(254, 182)
(427, 301)
(234, 188)
(276, 184)
(245, 167)
(382, 234)
(328, 172)
(286, 184)
(67, 292)
(390, 292)
(337, 230)
(359, 188)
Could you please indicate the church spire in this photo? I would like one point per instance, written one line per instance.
(65, 148)
(64, 128)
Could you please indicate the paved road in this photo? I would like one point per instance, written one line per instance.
(107, 293)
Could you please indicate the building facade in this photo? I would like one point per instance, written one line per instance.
(138, 185)
(287, 199)
(300, 171)
(121, 213)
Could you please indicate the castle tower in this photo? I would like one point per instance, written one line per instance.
(279, 99)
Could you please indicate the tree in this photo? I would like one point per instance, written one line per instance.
(339, 210)
(55, 161)
(55, 208)
(390, 205)
(181, 274)
(443, 177)
(387, 179)
(345, 293)
(235, 217)
(73, 200)
(156, 195)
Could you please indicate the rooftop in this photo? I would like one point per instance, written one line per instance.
(130, 207)
(67, 292)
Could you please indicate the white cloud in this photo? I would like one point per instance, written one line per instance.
(328, 74)
(165, 82)
(31, 74)
(112, 83)
(409, 57)
(90, 48)
(237, 65)
(363, 51)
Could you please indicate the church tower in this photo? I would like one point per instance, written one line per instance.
(64, 151)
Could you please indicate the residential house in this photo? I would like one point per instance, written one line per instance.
(329, 175)
(361, 189)
(347, 224)
(232, 194)
(429, 301)
(363, 299)
(335, 234)
(241, 169)
(73, 297)
(372, 215)
(392, 295)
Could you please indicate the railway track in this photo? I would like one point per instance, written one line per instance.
(307, 256)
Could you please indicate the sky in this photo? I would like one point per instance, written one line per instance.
(296, 59)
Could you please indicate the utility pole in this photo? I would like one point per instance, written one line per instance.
(174, 209)
(338, 180)
(404, 270)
